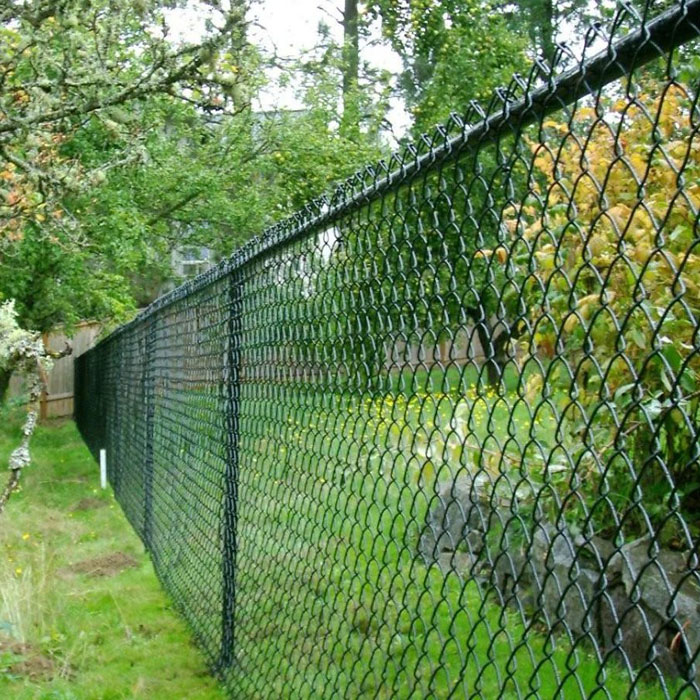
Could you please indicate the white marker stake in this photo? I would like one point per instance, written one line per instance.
(103, 469)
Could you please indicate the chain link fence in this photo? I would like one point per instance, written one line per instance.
(436, 436)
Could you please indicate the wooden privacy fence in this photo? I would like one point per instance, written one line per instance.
(57, 402)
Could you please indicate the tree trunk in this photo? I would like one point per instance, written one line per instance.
(351, 67)
(495, 343)
(10, 488)
(493, 370)
(548, 29)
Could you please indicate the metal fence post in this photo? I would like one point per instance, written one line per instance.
(115, 445)
(231, 389)
(149, 396)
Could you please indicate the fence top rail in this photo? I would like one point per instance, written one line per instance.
(546, 89)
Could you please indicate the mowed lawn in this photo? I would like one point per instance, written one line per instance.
(82, 614)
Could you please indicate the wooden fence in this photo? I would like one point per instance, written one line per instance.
(57, 402)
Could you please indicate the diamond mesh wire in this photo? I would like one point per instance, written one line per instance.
(437, 434)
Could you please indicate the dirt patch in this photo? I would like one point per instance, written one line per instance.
(106, 565)
(89, 504)
(23, 659)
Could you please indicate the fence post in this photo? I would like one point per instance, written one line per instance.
(150, 400)
(231, 388)
(116, 443)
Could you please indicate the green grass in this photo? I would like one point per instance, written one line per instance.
(86, 637)
(437, 379)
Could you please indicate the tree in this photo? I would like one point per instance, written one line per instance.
(351, 64)
(22, 351)
(453, 52)
(72, 72)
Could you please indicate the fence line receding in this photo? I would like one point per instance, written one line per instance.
(437, 434)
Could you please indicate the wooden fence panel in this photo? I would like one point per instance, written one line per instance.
(57, 402)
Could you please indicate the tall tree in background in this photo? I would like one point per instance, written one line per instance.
(453, 51)
(351, 65)
(119, 144)
(543, 18)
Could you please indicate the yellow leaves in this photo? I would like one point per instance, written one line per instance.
(597, 243)
(625, 205)
(500, 253)
(688, 281)
(21, 97)
(619, 214)
(677, 149)
(586, 113)
(545, 257)
(571, 322)
(586, 305)
(588, 299)
(533, 388)
(511, 225)
(543, 159)
(639, 164)
(693, 194)
(532, 230)
(642, 228)
(641, 252)
(556, 126)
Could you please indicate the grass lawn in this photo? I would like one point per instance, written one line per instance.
(82, 614)
(333, 599)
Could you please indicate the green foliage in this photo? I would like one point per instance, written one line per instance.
(77, 79)
(453, 52)
(138, 146)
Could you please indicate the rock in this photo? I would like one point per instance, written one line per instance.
(638, 603)
(457, 520)
(460, 562)
(663, 593)
(563, 583)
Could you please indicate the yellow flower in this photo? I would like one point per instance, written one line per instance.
(18, 571)
(26, 536)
